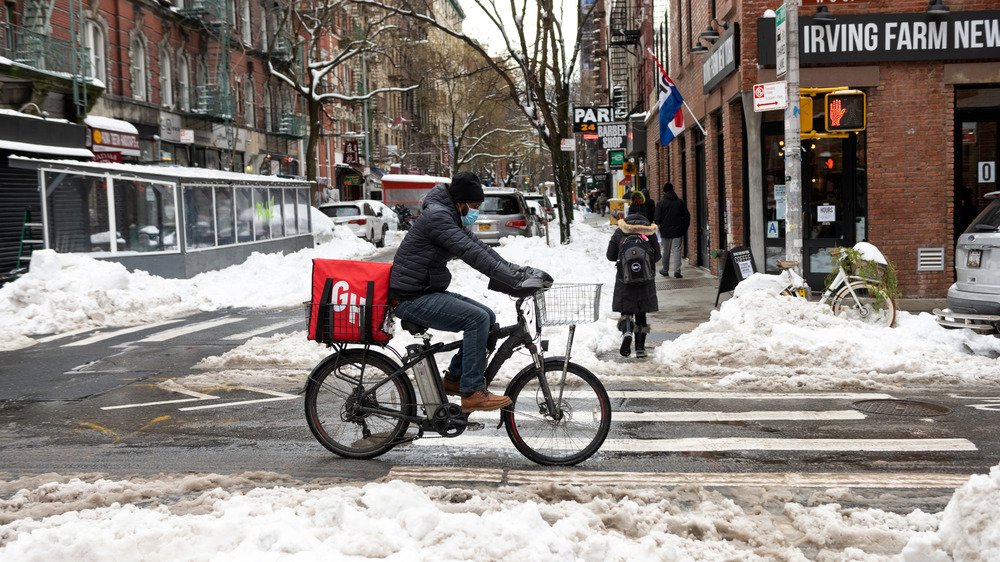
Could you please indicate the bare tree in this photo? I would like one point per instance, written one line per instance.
(537, 68)
(318, 36)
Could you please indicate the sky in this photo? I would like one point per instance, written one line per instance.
(757, 341)
(478, 26)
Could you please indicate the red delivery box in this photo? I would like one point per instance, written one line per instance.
(350, 302)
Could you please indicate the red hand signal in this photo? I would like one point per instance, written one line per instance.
(836, 114)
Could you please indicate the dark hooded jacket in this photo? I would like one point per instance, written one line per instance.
(438, 236)
(639, 297)
(672, 215)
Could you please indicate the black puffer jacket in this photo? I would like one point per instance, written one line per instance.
(421, 263)
(672, 215)
(639, 297)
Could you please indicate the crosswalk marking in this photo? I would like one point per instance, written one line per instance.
(251, 333)
(113, 334)
(191, 328)
(683, 395)
(648, 479)
(277, 396)
(790, 415)
(706, 444)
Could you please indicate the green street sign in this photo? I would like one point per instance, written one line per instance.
(617, 157)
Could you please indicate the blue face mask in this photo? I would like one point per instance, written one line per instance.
(470, 217)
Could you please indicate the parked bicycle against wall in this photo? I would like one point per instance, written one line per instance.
(859, 295)
(360, 402)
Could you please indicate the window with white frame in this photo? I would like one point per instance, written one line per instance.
(138, 70)
(245, 25)
(94, 39)
(268, 111)
(249, 110)
(166, 79)
(184, 83)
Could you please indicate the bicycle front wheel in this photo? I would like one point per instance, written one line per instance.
(346, 415)
(867, 303)
(570, 432)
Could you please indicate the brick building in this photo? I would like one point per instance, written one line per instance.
(909, 183)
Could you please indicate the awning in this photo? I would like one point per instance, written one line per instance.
(112, 135)
(27, 148)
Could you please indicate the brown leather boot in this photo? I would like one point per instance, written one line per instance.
(451, 388)
(482, 399)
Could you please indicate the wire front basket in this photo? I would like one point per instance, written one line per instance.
(569, 303)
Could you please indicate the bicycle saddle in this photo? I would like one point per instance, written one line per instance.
(412, 327)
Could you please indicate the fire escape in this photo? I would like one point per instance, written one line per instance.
(214, 96)
(623, 49)
(32, 45)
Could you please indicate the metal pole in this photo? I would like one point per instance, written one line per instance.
(793, 151)
(365, 189)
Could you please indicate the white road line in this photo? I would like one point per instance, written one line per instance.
(674, 416)
(55, 337)
(735, 416)
(172, 386)
(681, 395)
(191, 328)
(108, 335)
(252, 333)
(696, 444)
(277, 397)
(654, 479)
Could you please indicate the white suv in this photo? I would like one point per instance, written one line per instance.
(360, 217)
(974, 300)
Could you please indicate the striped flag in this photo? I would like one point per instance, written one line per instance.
(671, 102)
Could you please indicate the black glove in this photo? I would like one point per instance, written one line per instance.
(519, 281)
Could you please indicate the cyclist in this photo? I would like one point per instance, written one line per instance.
(418, 283)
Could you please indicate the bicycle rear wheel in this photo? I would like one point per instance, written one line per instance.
(574, 431)
(346, 416)
(867, 303)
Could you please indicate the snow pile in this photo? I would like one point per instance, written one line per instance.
(229, 518)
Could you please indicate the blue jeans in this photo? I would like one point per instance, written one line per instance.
(451, 312)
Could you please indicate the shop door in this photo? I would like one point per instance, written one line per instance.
(976, 169)
(834, 202)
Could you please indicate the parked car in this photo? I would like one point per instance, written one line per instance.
(544, 203)
(384, 211)
(974, 299)
(504, 212)
(360, 217)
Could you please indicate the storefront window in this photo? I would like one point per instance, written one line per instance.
(276, 211)
(244, 214)
(144, 216)
(224, 215)
(198, 217)
(304, 218)
(261, 215)
(77, 207)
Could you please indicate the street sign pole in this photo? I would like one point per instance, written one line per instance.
(793, 152)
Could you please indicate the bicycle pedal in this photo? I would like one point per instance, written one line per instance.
(475, 426)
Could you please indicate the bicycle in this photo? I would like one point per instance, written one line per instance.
(360, 402)
(853, 296)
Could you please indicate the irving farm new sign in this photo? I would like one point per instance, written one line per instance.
(895, 37)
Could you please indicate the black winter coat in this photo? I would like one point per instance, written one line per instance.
(639, 297)
(672, 215)
(438, 236)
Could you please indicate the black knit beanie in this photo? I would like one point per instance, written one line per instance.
(465, 188)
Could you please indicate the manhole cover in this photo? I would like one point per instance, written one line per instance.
(900, 408)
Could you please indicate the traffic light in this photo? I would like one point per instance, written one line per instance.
(527, 181)
(845, 111)
(805, 114)
(628, 168)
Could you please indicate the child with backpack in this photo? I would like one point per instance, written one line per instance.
(635, 251)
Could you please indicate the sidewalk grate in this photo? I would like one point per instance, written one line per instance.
(900, 408)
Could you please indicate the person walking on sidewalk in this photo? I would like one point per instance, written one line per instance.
(602, 204)
(674, 219)
(634, 249)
